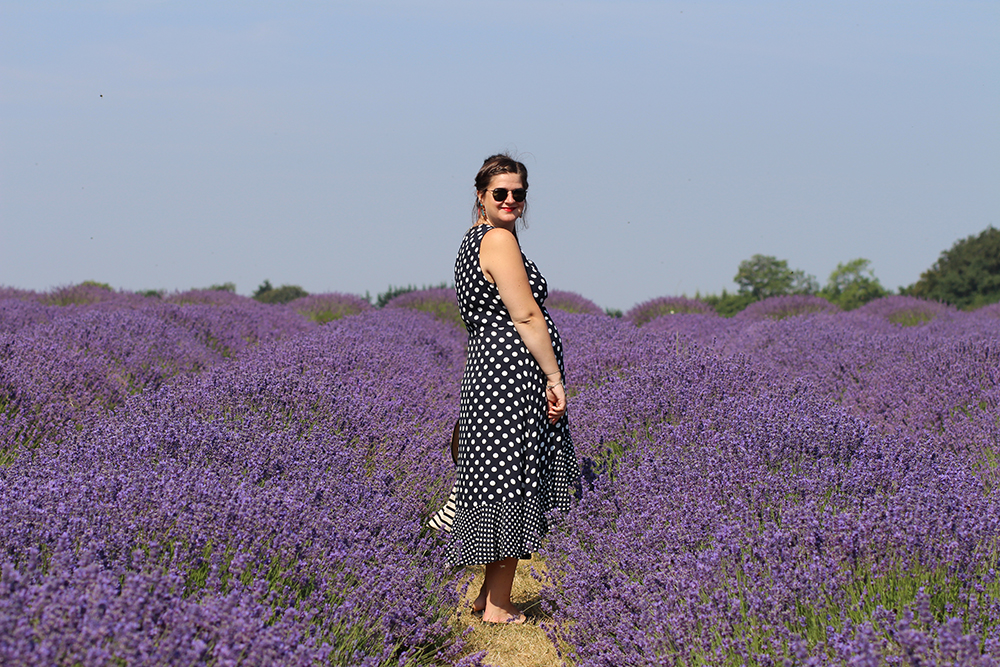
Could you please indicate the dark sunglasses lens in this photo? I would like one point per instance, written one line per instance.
(518, 194)
(499, 194)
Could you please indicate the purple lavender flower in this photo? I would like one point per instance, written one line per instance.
(776, 496)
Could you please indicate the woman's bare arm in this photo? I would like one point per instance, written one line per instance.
(500, 259)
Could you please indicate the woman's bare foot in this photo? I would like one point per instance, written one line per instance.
(511, 614)
(479, 604)
(494, 596)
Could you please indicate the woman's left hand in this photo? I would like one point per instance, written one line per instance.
(555, 399)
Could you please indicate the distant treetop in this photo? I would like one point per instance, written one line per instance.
(763, 276)
(967, 275)
(266, 293)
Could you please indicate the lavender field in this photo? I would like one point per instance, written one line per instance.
(206, 480)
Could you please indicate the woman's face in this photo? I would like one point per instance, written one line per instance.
(503, 213)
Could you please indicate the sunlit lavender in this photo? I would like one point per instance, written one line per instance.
(820, 489)
(202, 479)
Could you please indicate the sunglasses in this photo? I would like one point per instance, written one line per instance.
(500, 194)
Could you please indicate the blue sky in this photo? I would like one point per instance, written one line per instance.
(333, 145)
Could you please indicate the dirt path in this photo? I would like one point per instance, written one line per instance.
(512, 645)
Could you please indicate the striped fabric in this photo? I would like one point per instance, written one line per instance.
(443, 519)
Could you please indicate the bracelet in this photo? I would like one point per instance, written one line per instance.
(553, 373)
(554, 385)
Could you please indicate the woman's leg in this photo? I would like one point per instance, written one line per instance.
(479, 604)
(497, 584)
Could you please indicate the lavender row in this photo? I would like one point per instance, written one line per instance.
(905, 379)
(265, 511)
(62, 366)
(820, 489)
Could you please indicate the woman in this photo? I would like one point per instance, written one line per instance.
(515, 455)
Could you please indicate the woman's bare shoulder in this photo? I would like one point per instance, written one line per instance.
(500, 239)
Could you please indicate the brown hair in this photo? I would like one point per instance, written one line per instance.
(502, 163)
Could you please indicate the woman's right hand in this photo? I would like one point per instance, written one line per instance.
(555, 399)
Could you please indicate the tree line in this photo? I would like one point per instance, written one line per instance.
(967, 275)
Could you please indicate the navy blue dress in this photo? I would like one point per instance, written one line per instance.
(513, 465)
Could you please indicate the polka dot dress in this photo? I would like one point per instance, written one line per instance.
(513, 465)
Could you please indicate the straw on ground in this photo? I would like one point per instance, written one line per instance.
(512, 645)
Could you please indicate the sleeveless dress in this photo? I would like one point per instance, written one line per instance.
(513, 465)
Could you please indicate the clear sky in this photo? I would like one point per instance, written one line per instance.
(332, 145)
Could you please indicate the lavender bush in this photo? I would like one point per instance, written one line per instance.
(14, 293)
(82, 294)
(438, 301)
(231, 329)
(60, 375)
(691, 326)
(906, 310)
(992, 310)
(571, 302)
(323, 308)
(208, 297)
(665, 305)
(789, 305)
(16, 314)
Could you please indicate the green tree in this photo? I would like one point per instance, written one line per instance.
(727, 304)
(94, 283)
(264, 287)
(391, 293)
(266, 293)
(762, 276)
(853, 284)
(967, 275)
